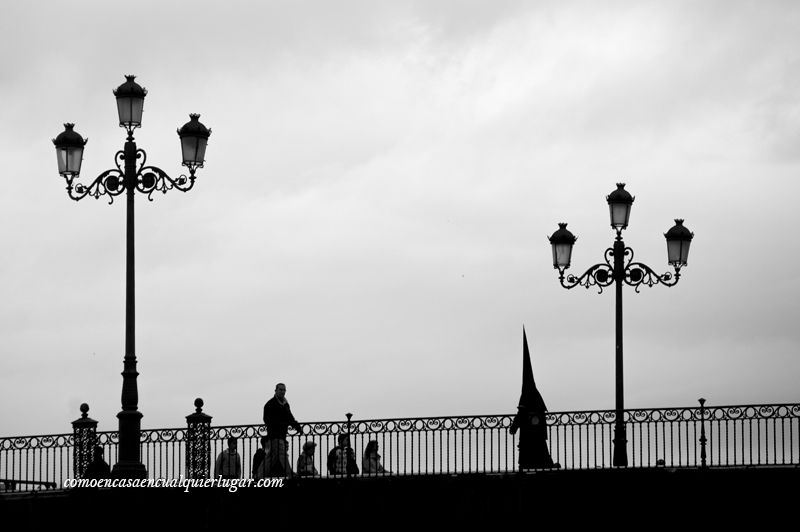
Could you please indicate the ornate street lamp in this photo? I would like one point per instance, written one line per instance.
(131, 173)
(69, 151)
(619, 268)
(130, 103)
(562, 242)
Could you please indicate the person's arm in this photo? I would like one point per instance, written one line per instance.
(292, 421)
(238, 466)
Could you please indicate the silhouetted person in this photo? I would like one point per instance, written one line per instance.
(278, 417)
(305, 462)
(530, 419)
(371, 463)
(261, 460)
(341, 459)
(98, 468)
(533, 451)
(228, 464)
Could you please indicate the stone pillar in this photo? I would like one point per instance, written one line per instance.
(84, 430)
(198, 443)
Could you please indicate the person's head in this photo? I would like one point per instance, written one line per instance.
(344, 440)
(308, 447)
(98, 452)
(280, 390)
(372, 448)
(264, 441)
(232, 443)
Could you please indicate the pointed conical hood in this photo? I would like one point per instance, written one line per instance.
(530, 396)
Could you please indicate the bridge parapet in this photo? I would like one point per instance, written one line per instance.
(679, 437)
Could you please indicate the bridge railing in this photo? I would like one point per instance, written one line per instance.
(748, 435)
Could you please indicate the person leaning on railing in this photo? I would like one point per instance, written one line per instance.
(371, 463)
(305, 462)
(229, 464)
(261, 459)
(341, 460)
(98, 468)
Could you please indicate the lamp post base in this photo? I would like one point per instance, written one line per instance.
(129, 464)
(129, 469)
(620, 448)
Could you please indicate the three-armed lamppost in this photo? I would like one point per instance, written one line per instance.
(131, 174)
(619, 268)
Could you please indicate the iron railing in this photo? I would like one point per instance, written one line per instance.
(722, 436)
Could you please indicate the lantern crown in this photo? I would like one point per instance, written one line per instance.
(620, 195)
(679, 232)
(130, 89)
(194, 128)
(562, 235)
(69, 138)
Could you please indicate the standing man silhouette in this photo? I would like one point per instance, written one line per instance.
(278, 417)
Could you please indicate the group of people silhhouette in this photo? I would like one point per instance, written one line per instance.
(272, 458)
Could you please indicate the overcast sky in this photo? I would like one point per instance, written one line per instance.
(370, 226)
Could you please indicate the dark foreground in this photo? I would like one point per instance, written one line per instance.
(632, 499)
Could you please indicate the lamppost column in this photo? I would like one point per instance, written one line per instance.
(620, 440)
(129, 464)
(621, 270)
(131, 174)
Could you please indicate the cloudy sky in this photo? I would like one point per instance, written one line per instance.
(370, 227)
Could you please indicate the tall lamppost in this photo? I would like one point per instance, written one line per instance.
(620, 268)
(131, 173)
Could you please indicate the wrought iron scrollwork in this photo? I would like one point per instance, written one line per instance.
(758, 435)
(150, 179)
(599, 275)
(110, 183)
(574, 418)
(638, 274)
(634, 274)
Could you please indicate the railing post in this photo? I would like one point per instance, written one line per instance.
(702, 433)
(198, 442)
(84, 435)
(351, 450)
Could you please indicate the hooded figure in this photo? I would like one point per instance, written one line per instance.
(530, 419)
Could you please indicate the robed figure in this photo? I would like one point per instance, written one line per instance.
(530, 419)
